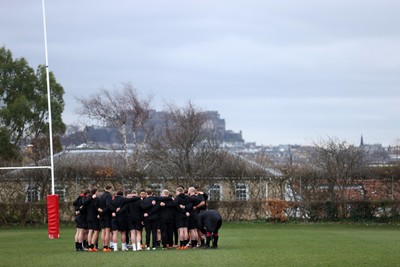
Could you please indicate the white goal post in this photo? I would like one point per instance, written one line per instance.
(25, 168)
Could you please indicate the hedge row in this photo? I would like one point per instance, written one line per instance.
(357, 211)
(269, 210)
(31, 213)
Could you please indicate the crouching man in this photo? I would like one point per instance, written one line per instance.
(209, 222)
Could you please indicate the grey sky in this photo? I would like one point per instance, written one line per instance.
(281, 71)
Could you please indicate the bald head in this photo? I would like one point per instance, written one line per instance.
(191, 191)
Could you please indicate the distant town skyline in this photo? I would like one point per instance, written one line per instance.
(281, 72)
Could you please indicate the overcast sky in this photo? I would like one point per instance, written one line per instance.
(283, 72)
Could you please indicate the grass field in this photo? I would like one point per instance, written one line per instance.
(241, 244)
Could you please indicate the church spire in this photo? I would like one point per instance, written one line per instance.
(362, 141)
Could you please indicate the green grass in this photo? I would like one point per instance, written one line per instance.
(241, 244)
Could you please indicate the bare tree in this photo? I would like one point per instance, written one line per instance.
(123, 109)
(339, 162)
(187, 146)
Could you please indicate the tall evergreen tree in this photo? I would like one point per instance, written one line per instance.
(23, 102)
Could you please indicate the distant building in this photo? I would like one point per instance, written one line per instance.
(110, 136)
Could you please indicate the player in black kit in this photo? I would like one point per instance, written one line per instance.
(197, 202)
(135, 220)
(209, 222)
(92, 205)
(151, 218)
(167, 217)
(80, 220)
(182, 207)
(105, 217)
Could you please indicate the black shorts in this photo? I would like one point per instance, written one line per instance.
(94, 225)
(182, 222)
(135, 225)
(105, 222)
(192, 222)
(80, 222)
(119, 224)
(155, 223)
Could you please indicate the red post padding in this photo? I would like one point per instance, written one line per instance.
(53, 220)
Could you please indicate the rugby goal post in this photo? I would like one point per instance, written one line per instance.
(53, 219)
(52, 200)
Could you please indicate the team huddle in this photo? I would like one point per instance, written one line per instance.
(179, 222)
